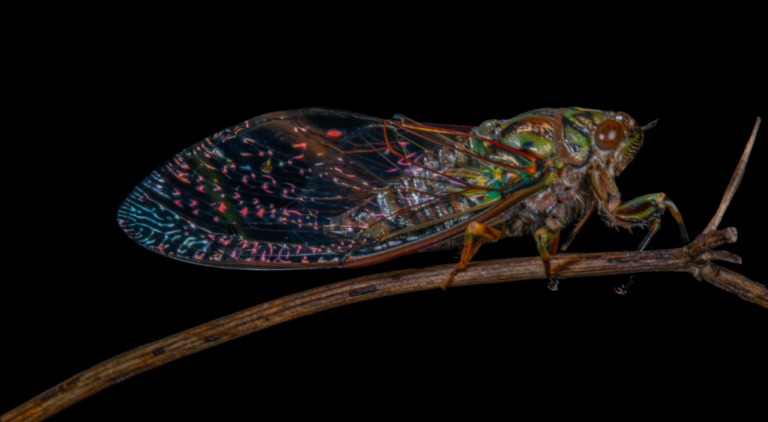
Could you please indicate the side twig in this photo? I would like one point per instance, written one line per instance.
(696, 258)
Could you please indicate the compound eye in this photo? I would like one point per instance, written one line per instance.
(609, 134)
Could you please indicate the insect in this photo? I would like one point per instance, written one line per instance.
(317, 188)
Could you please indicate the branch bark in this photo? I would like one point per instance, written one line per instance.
(696, 259)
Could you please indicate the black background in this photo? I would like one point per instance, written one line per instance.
(486, 348)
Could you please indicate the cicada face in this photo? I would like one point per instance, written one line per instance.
(614, 137)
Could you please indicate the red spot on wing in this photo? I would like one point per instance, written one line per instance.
(333, 133)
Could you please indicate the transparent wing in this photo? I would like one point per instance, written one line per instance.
(317, 188)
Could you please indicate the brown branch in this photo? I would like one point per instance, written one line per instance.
(695, 259)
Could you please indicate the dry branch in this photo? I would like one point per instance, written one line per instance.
(696, 258)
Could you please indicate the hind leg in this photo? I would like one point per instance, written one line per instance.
(474, 237)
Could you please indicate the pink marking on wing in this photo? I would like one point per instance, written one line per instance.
(244, 211)
(339, 170)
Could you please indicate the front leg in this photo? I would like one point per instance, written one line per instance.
(640, 211)
(647, 211)
(643, 211)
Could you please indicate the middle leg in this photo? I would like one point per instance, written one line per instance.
(546, 242)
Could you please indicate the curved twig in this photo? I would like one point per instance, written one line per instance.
(696, 258)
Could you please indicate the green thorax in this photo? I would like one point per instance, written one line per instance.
(533, 132)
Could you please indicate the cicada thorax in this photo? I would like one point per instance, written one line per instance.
(566, 197)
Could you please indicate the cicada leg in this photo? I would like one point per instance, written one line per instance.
(642, 209)
(546, 243)
(650, 207)
(578, 228)
(655, 226)
(474, 237)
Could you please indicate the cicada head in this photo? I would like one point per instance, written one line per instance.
(618, 137)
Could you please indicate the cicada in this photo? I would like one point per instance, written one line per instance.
(322, 188)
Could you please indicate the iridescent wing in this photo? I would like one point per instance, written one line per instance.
(320, 188)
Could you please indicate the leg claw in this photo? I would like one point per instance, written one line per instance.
(553, 285)
(623, 290)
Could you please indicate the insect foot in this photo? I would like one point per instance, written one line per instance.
(624, 289)
(553, 284)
